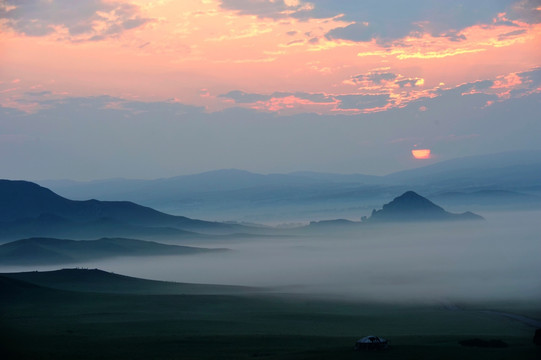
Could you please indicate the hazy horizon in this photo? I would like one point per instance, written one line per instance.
(414, 166)
(154, 90)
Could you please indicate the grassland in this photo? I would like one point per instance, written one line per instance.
(38, 322)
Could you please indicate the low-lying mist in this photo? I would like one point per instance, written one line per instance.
(497, 259)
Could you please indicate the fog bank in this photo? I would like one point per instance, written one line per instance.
(491, 260)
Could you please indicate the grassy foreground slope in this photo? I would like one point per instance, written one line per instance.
(40, 322)
(99, 281)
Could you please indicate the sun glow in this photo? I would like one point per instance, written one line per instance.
(421, 153)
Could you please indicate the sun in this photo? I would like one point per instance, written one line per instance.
(421, 153)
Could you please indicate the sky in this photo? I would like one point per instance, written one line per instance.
(94, 89)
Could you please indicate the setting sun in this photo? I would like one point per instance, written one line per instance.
(421, 153)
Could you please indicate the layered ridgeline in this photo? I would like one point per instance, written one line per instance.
(49, 251)
(505, 181)
(29, 210)
(411, 206)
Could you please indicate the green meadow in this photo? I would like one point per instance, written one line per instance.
(104, 318)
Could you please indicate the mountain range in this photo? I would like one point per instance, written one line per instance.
(28, 210)
(506, 181)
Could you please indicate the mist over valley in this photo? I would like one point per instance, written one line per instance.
(362, 255)
(409, 249)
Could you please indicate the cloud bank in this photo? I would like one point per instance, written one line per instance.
(392, 20)
(82, 20)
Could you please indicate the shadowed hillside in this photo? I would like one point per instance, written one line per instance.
(23, 199)
(95, 280)
(28, 209)
(35, 251)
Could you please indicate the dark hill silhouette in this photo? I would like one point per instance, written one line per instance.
(41, 251)
(28, 209)
(411, 206)
(99, 281)
(23, 199)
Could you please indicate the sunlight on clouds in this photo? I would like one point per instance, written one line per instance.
(291, 105)
(253, 31)
(479, 39)
(331, 44)
(507, 81)
(292, 2)
(195, 44)
(436, 54)
(245, 61)
(403, 54)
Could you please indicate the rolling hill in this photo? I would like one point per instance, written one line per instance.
(99, 281)
(92, 314)
(41, 251)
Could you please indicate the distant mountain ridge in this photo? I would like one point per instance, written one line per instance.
(513, 169)
(411, 206)
(235, 179)
(304, 195)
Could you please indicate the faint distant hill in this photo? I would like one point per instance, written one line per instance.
(515, 170)
(29, 210)
(48, 251)
(411, 206)
(501, 199)
(216, 181)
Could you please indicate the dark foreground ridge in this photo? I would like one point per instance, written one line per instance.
(92, 314)
(99, 281)
(411, 206)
